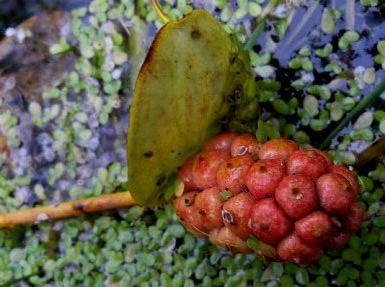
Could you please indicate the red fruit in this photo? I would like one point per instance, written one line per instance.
(354, 219)
(338, 239)
(236, 214)
(292, 249)
(314, 229)
(245, 144)
(209, 207)
(335, 193)
(279, 148)
(232, 173)
(223, 237)
(264, 176)
(296, 195)
(206, 166)
(349, 175)
(268, 222)
(187, 213)
(307, 162)
(185, 174)
(221, 142)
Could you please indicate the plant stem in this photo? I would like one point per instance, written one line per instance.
(67, 209)
(159, 11)
(358, 109)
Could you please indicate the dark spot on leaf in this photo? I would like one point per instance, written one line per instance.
(162, 180)
(195, 34)
(148, 154)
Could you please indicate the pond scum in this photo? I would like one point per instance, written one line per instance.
(314, 61)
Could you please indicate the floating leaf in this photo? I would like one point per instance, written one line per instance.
(181, 95)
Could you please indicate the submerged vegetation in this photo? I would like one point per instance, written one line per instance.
(313, 61)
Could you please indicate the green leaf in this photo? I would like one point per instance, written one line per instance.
(167, 127)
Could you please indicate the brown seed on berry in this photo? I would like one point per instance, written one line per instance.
(292, 249)
(268, 222)
(263, 177)
(314, 229)
(209, 207)
(335, 193)
(221, 142)
(245, 144)
(232, 173)
(205, 168)
(296, 195)
(279, 148)
(236, 214)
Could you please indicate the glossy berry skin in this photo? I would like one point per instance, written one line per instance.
(335, 193)
(236, 214)
(205, 168)
(314, 229)
(264, 176)
(292, 249)
(225, 238)
(279, 148)
(350, 176)
(307, 162)
(185, 175)
(185, 209)
(293, 200)
(354, 219)
(221, 142)
(268, 222)
(296, 195)
(338, 239)
(209, 207)
(231, 174)
(245, 144)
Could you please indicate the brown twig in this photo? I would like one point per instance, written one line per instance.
(376, 151)
(67, 209)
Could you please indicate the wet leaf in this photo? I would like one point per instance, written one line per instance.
(181, 95)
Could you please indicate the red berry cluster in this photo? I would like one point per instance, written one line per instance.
(294, 200)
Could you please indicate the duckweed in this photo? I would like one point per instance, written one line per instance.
(140, 247)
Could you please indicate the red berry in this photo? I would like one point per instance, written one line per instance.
(314, 229)
(322, 154)
(335, 193)
(187, 213)
(296, 195)
(221, 142)
(307, 162)
(268, 222)
(236, 214)
(264, 176)
(223, 237)
(279, 148)
(209, 207)
(349, 175)
(338, 239)
(232, 173)
(354, 219)
(206, 166)
(245, 144)
(292, 249)
(185, 174)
